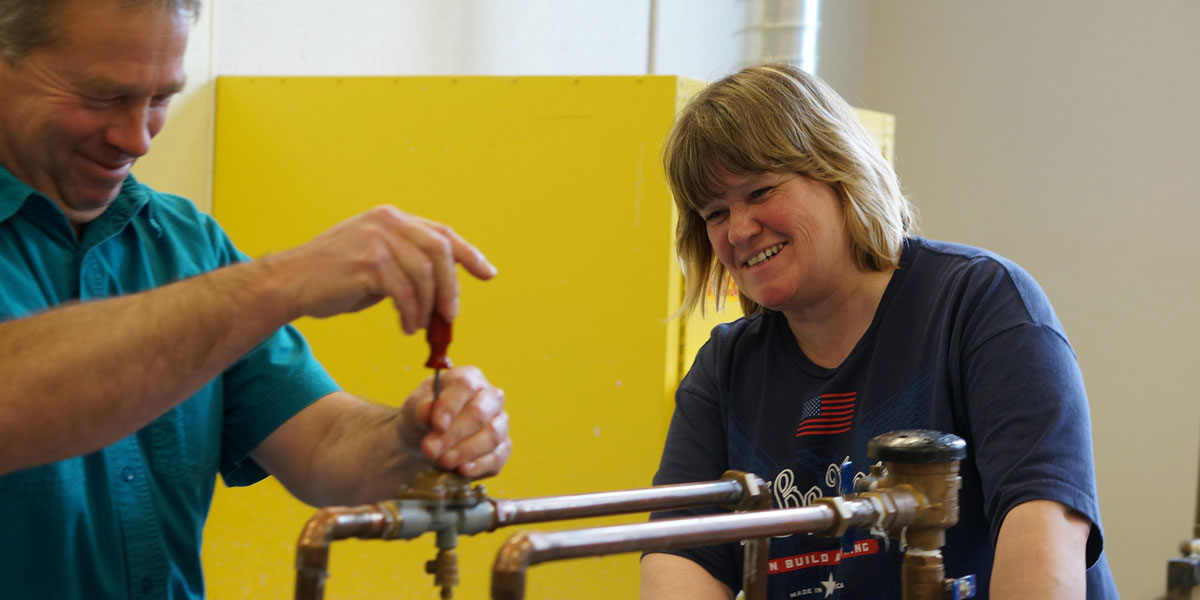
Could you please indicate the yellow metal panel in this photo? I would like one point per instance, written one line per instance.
(679, 353)
(882, 127)
(558, 180)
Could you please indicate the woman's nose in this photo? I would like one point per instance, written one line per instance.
(743, 224)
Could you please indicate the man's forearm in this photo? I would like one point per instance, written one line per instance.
(374, 461)
(344, 450)
(80, 377)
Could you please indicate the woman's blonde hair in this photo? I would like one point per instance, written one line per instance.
(776, 118)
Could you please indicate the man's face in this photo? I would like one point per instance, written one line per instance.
(75, 115)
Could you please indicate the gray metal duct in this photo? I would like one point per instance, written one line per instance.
(782, 31)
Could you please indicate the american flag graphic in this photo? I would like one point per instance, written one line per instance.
(827, 414)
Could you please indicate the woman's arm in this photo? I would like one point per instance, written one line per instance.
(671, 577)
(1040, 553)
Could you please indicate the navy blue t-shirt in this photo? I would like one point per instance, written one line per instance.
(963, 341)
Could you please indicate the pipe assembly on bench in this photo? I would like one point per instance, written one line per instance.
(918, 495)
(447, 504)
(915, 495)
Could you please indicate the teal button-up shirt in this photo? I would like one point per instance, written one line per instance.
(125, 521)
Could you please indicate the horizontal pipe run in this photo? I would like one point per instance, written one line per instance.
(438, 504)
(530, 548)
(673, 534)
(665, 497)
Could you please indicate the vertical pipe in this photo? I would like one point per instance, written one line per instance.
(757, 552)
(782, 31)
(922, 576)
(1196, 526)
(335, 523)
(652, 39)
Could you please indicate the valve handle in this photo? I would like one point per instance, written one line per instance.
(847, 488)
(961, 588)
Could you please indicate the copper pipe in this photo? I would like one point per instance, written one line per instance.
(335, 523)
(734, 490)
(443, 502)
(922, 575)
(530, 548)
(919, 497)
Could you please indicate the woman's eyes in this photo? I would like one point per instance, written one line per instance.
(760, 193)
(755, 196)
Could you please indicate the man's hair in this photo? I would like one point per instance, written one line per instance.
(776, 118)
(27, 25)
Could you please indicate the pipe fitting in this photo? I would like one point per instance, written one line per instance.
(754, 491)
(895, 505)
(926, 462)
(843, 515)
(508, 572)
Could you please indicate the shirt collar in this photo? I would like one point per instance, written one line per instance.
(14, 193)
(131, 199)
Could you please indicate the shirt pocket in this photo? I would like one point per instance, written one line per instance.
(183, 444)
(45, 480)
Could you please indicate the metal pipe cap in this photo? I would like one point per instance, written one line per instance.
(917, 446)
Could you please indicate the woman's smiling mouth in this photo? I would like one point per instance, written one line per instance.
(765, 255)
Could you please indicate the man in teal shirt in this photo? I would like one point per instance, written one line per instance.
(141, 353)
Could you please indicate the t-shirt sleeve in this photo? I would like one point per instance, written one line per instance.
(1028, 411)
(695, 451)
(263, 389)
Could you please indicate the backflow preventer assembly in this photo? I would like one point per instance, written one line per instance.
(913, 496)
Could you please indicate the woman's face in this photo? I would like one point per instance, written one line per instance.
(782, 237)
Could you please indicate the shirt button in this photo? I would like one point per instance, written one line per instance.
(96, 282)
(127, 475)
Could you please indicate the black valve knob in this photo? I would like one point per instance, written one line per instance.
(917, 446)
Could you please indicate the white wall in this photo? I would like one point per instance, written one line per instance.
(1064, 135)
(431, 37)
(1061, 134)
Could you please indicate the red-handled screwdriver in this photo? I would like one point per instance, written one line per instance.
(438, 335)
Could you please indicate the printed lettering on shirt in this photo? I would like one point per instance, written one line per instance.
(825, 590)
(786, 495)
(823, 558)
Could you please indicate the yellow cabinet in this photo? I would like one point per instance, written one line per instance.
(558, 180)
